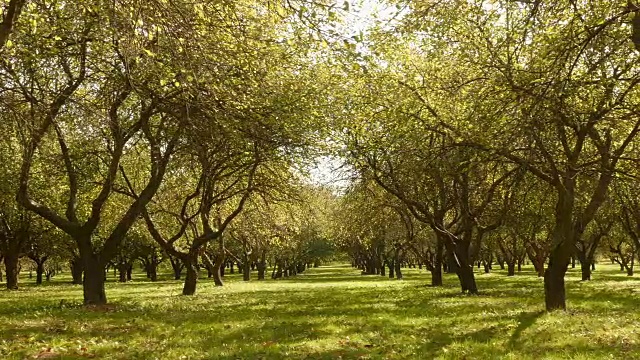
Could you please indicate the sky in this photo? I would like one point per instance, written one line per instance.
(363, 14)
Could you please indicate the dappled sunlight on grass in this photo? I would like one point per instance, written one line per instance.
(328, 313)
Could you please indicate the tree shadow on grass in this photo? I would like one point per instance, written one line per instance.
(525, 321)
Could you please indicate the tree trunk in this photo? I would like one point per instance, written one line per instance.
(451, 263)
(262, 268)
(191, 279)
(487, 268)
(554, 292)
(76, 271)
(246, 270)
(467, 279)
(218, 268)
(122, 272)
(436, 276)
(177, 266)
(11, 263)
(93, 282)
(39, 272)
(398, 269)
(129, 272)
(511, 268)
(436, 272)
(585, 266)
(392, 269)
(153, 273)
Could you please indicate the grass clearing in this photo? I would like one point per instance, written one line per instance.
(327, 313)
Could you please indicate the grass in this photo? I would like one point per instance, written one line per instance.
(327, 313)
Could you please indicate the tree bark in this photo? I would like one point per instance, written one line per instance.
(11, 263)
(246, 270)
(398, 269)
(487, 268)
(122, 272)
(177, 266)
(467, 279)
(191, 279)
(436, 276)
(93, 282)
(76, 271)
(451, 263)
(129, 272)
(262, 268)
(511, 268)
(218, 268)
(39, 272)
(153, 272)
(436, 272)
(554, 291)
(585, 267)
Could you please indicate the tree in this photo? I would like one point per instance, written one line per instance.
(560, 86)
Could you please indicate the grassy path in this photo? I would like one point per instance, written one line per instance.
(327, 313)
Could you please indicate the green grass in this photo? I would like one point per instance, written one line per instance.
(327, 313)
